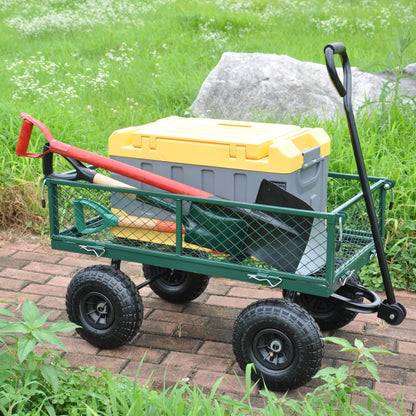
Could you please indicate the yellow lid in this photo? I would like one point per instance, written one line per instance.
(263, 147)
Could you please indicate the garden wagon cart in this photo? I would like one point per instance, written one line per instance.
(184, 236)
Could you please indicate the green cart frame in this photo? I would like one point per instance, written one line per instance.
(346, 225)
(104, 301)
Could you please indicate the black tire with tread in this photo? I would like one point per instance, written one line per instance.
(175, 286)
(328, 312)
(106, 304)
(282, 341)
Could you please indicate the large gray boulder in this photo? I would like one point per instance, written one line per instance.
(269, 87)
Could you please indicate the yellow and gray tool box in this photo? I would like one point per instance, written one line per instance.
(229, 158)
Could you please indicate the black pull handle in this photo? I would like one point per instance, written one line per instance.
(345, 91)
(338, 48)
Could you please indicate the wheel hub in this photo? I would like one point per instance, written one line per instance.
(273, 349)
(102, 308)
(276, 346)
(173, 277)
(97, 310)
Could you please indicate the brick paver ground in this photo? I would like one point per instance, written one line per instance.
(192, 342)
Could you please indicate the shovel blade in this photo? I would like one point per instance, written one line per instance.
(280, 247)
(209, 226)
(276, 239)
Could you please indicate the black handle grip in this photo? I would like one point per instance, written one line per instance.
(338, 48)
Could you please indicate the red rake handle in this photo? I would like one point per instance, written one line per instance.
(100, 161)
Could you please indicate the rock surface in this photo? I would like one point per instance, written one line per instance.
(269, 87)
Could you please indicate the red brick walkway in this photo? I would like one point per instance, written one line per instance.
(192, 342)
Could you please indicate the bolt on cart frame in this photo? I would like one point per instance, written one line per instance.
(282, 337)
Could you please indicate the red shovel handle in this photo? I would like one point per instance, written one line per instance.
(24, 139)
(100, 161)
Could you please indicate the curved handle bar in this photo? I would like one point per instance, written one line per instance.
(338, 48)
(24, 138)
(345, 91)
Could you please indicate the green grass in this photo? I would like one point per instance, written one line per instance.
(42, 384)
(87, 68)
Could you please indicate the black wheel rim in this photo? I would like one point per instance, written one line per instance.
(173, 278)
(273, 349)
(97, 310)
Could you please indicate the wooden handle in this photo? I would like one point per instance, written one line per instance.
(149, 224)
(136, 222)
(100, 179)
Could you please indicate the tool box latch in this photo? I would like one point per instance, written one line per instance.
(311, 156)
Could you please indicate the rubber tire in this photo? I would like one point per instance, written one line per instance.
(106, 304)
(175, 286)
(281, 324)
(327, 312)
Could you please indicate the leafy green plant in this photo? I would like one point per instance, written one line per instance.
(391, 95)
(341, 389)
(36, 382)
(41, 383)
(341, 393)
(26, 376)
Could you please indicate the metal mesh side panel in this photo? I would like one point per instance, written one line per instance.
(292, 242)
